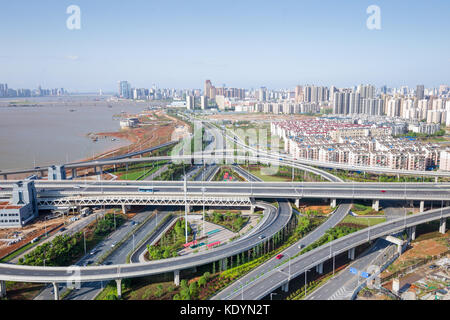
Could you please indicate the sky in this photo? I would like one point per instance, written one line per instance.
(243, 43)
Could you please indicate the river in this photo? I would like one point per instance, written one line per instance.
(55, 131)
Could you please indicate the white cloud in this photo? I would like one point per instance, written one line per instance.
(73, 58)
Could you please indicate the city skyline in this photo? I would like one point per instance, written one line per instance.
(178, 44)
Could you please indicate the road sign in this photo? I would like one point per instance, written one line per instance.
(365, 275)
(353, 270)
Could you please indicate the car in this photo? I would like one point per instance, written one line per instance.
(383, 191)
(113, 244)
(279, 256)
(94, 251)
(261, 236)
(433, 266)
(62, 229)
(301, 246)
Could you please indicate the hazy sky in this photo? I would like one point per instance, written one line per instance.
(243, 43)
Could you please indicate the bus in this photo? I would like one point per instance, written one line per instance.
(145, 189)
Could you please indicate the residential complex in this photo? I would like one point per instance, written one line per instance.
(346, 142)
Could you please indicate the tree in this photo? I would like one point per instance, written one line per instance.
(202, 281)
(193, 289)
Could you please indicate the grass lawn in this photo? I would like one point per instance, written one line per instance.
(363, 221)
(363, 210)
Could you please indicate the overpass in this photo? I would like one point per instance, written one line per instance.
(291, 268)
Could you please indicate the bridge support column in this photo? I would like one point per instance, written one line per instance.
(442, 225)
(422, 206)
(176, 277)
(119, 288)
(333, 203)
(412, 232)
(436, 179)
(74, 173)
(285, 287)
(56, 290)
(124, 209)
(376, 205)
(351, 254)
(399, 248)
(297, 203)
(2, 289)
(100, 173)
(319, 268)
(252, 209)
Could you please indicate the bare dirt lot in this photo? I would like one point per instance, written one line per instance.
(35, 229)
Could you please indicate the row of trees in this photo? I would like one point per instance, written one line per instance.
(61, 251)
(109, 223)
(170, 243)
(191, 291)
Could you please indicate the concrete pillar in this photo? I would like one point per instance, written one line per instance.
(252, 209)
(351, 254)
(5, 177)
(176, 277)
(2, 289)
(319, 268)
(413, 232)
(333, 203)
(442, 225)
(56, 290)
(399, 249)
(119, 288)
(435, 179)
(101, 173)
(422, 206)
(224, 264)
(285, 287)
(411, 203)
(297, 203)
(376, 205)
(124, 209)
(74, 173)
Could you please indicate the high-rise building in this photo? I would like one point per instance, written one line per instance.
(124, 89)
(262, 94)
(190, 102)
(341, 102)
(206, 91)
(298, 94)
(420, 92)
(204, 102)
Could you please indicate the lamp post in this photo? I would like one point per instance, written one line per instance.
(203, 194)
(84, 236)
(242, 289)
(306, 275)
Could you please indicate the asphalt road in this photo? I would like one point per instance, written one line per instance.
(333, 220)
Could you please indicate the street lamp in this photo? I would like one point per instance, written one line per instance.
(306, 275)
(84, 236)
(242, 289)
(203, 194)
(289, 265)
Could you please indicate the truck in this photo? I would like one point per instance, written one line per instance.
(85, 211)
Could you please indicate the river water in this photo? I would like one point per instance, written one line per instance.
(51, 133)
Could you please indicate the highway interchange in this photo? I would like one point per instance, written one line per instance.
(275, 219)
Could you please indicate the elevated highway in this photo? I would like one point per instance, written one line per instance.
(287, 270)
